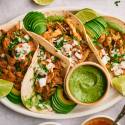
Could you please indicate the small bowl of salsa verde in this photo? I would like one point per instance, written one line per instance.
(87, 83)
(99, 120)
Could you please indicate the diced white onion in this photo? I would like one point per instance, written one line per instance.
(42, 81)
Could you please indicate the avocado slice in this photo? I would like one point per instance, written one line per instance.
(58, 108)
(86, 15)
(101, 21)
(14, 96)
(35, 22)
(101, 27)
(115, 26)
(60, 103)
(92, 31)
(62, 97)
(67, 106)
(94, 27)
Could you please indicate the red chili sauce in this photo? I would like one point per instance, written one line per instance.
(100, 121)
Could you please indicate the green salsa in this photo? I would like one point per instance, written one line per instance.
(87, 83)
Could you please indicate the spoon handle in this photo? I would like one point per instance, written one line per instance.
(121, 114)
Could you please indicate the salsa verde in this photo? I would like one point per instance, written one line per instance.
(87, 83)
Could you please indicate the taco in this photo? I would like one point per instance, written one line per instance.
(16, 52)
(47, 71)
(110, 46)
(65, 32)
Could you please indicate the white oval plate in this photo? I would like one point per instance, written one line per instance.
(112, 98)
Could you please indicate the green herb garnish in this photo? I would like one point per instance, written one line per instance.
(2, 37)
(117, 2)
(54, 59)
(97, 43)
(17, 33)
(59, 43)
(44, 68)
(17, 66)
(13, 43)
(0, 71)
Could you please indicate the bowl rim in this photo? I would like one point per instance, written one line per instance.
(98, 116)
(67, 83)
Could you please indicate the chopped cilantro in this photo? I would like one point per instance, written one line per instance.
(116, 56)
(26, 40)
(38, 76)
(42, 48)
(17, 66)
(31, 53)
(28, 102)
(54, 59)
(74, 37)
(43, 67)
(2, 37)
(17, 55)
(115, 61)
(97, 43)
(17, 33)
(68, 56)
(59, 43)
(117, 2)
(13, 43)
(0, 71)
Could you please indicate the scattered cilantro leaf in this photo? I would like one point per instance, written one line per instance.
(117, 2)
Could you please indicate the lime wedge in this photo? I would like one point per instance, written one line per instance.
(5, 87)
(43, 2)
(119, 84)
(87, 15)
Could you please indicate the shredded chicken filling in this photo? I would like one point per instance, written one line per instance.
(112, 51)
(16, 51)
(48, 74)
(66, 38)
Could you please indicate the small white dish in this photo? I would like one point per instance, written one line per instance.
(49, 123)
(98, 116)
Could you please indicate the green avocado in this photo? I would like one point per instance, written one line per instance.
(96, 27)
(115, 26)
(102, 22)
(55, 18)
(35, 22)
(91, 33)
(100, 26)
(93, 28)
(14, 96)
(86, 15)
(60, 103)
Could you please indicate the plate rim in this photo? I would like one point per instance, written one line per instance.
(58, 116)
(61, 116)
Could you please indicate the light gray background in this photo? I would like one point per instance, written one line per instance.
(9, 9)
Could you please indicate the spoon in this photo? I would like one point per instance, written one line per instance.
(120, 116)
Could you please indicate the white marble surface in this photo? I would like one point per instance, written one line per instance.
(12, 8)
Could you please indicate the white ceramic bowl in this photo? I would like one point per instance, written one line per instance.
(98, 116)
(50, 123)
